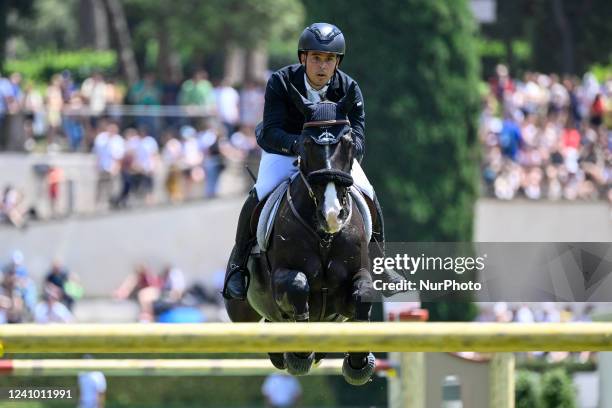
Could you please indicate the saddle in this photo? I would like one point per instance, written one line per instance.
(265, 212)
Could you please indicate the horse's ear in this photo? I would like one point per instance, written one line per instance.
(303, 104)
(345, 105)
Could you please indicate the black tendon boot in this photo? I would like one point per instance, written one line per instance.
(377, 250)
(236, 273)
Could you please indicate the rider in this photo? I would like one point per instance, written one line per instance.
(320, 51)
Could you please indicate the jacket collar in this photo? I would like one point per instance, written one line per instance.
(298, 80)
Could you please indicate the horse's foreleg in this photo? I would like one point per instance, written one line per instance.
(363, 294)
(291, 292)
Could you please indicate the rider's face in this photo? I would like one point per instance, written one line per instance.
(320, 67)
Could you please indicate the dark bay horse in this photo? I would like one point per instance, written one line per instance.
(316, 266)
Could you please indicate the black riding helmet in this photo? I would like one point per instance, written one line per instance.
(322, 37)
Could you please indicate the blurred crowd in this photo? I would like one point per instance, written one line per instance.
(179, 134)
(19, 294)
(66, 113)
(546, 137)
(164, 297)
(193, 155)
(545, 312)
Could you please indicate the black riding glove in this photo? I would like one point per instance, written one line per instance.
(296, 147)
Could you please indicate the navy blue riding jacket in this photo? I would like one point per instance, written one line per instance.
(282, 121)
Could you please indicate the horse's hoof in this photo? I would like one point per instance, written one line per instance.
(359, 376)
(278, 360)
(298, 364)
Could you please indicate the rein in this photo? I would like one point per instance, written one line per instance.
(306, 183)
(325, 241)
(317, 177)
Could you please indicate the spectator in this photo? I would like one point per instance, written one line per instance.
(12, 208)
(127, 168)
(55, 104)
(281, 390)
(92, 389)
(34, 113)
(197, 93)
(109, 148)
(15, 124)
(597, 111)
(73, 121)
(171, 157)
(213, 146)
(68, 86)
(173, 287)
(524, 314)
(5, 103)
(94, 93)
(502, 312)
(146, 162)
(15, 93)
(251, 104)
(55, 177)
(510, 138)
(50, 309)
(12, 305)
(144, 286)
(59, 277)
(173, 283)
(146, 93)
(25, 284)
(245, 144)
(228, 106)
(191, 159)
(586, 315)
(170, 97)
(114, 93)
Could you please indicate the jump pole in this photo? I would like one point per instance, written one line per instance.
(324, 337)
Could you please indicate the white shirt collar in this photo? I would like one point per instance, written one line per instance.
(314, 95)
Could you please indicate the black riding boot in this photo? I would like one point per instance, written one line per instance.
(377, 249)
(237, 272)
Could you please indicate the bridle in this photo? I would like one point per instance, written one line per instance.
(330, 175)
(318, 176)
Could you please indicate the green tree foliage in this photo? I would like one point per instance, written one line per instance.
(527, 390)
(197, 27)
(558, 390)
(196, 30)
(565, 36)
(41, 67)
(417, 66)
(53, 28)
(10, 11)
(577, 30)
(509, 30)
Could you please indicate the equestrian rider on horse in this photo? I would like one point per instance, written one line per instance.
(320, 50)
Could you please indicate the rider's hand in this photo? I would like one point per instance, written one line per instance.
(296, 147)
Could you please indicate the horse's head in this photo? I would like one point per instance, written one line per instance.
(326, 157)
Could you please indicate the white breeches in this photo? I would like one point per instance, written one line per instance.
(274, 168)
